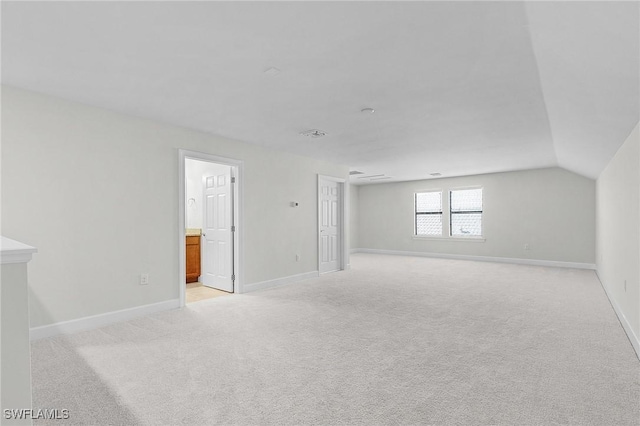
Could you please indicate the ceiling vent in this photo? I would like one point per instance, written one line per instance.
(355, 172)
(435, 174)
(314, 133)
(272, 71)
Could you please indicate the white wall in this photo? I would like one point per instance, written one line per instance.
(195, 171)
(97, 193)
(618, 232)
(15, 362)
(552, 210)
(353, 216)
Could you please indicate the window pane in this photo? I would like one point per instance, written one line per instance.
(466, 200)
(429, 202)
(429, 224)
(466, 224)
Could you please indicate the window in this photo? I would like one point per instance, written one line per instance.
(466, 212)
(428, 208)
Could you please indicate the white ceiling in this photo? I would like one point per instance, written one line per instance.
(459, 87)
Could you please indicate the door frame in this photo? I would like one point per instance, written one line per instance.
(343, 214)
(237, 167)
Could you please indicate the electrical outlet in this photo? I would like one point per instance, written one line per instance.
(297, 258)
(144, 279)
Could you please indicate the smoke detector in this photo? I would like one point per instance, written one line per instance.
(314, 133)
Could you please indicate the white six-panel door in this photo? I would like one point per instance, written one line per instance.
(330, 227)
(217, 247)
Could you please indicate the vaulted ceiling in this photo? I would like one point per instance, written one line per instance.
(458, 88)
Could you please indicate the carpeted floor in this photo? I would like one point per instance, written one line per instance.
(395, 340)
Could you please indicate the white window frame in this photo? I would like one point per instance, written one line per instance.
(460, 237)
(415, 214)
(446, 219)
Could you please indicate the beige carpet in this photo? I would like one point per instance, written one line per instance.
(395, 340)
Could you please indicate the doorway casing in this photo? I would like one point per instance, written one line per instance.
(238, 246)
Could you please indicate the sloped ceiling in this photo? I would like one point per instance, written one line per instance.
(459, 88)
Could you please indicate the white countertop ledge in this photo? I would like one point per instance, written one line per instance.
(12, 251)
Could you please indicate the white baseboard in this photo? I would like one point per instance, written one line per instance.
(279, 281)
(100, 320)
(514, 260)
(635, 342)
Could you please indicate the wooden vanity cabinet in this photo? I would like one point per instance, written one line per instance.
(193, 258)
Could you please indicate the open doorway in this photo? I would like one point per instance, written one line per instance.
(209, 226)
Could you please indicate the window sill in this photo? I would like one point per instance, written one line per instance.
(465, 239)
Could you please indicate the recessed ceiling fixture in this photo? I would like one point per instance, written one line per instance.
(367, 110)
(435, 174)
(272, 71)
(313, 133)
(355, 172)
